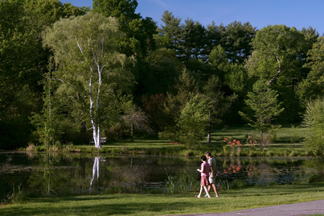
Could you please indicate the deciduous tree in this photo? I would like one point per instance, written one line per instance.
(86, 55)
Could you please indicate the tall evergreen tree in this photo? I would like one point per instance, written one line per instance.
(173, 30)
(264, 105)
(193, 41)
(236, 40)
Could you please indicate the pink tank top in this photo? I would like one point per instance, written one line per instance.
(206, 169)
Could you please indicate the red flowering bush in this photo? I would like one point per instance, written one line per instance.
(232, 142)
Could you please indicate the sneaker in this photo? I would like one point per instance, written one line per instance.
(216, 195)
(206, 195)
(197, 196)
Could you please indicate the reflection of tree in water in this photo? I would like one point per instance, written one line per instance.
(261, 172)
(128, 178)
(57, 174)
(95, 169)
(120, 175)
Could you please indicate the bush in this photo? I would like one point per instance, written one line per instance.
(30, 147)
(314, 119)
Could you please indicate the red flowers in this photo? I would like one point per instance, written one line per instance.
(232, 143)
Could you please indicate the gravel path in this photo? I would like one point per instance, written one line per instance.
(296, 209)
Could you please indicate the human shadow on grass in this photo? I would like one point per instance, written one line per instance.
(96, 209)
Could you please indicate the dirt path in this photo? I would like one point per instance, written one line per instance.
(296, 209)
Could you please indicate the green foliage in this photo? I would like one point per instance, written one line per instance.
(23, 60)
(236, 78)
(236, 41)
(18, 82)
(182, 182)
(278, 58)
(90, 71)
(172, 30)
(162, 69)
(32, 108)
(17, 195)
(153, 107)
(217, 57)
(314, 119)
(123, 10)
(219, 104)
(139, 32)
(176, 100)
(193, 121)
(43, 13)
(264, 105)
(193, 40)
(311, 87)
(201, 71)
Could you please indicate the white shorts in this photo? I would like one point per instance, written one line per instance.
(211, 179)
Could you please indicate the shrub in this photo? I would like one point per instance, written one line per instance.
(30, 147)
(314, 119)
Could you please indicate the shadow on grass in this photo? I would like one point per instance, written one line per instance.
(95, 208)
(69, 198)
(145, 204)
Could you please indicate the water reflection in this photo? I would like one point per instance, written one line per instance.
(96, 167)
(57, 174)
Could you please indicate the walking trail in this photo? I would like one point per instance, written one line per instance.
(296, 209)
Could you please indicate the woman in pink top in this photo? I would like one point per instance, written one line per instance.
(204, 176)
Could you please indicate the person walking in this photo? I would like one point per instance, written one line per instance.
(212, 173)
(204, 176)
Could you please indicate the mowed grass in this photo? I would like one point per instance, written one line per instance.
(286, 137)
(143, 143)
(167, 204)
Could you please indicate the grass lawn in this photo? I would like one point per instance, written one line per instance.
(167, 204)
(141, 143)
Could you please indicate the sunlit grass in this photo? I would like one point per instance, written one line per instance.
(289, 142)
(165, 204)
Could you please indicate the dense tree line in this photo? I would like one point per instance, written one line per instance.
(68, 74)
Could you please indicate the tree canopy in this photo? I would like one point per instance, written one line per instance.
(70, 73)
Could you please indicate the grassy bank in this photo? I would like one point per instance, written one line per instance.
(166, 204)
(288, 142)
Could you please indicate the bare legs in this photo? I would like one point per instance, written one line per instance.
(214, 187)
(201, 187)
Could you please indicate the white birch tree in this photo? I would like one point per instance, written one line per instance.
(87, 62)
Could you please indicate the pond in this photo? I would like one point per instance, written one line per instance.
(50, 174)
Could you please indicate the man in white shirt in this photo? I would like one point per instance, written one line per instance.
(212, 173)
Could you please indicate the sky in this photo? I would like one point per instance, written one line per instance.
(260, 13)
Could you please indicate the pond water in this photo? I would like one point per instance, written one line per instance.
(64, 174)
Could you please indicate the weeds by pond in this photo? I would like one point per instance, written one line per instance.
(166, 204)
